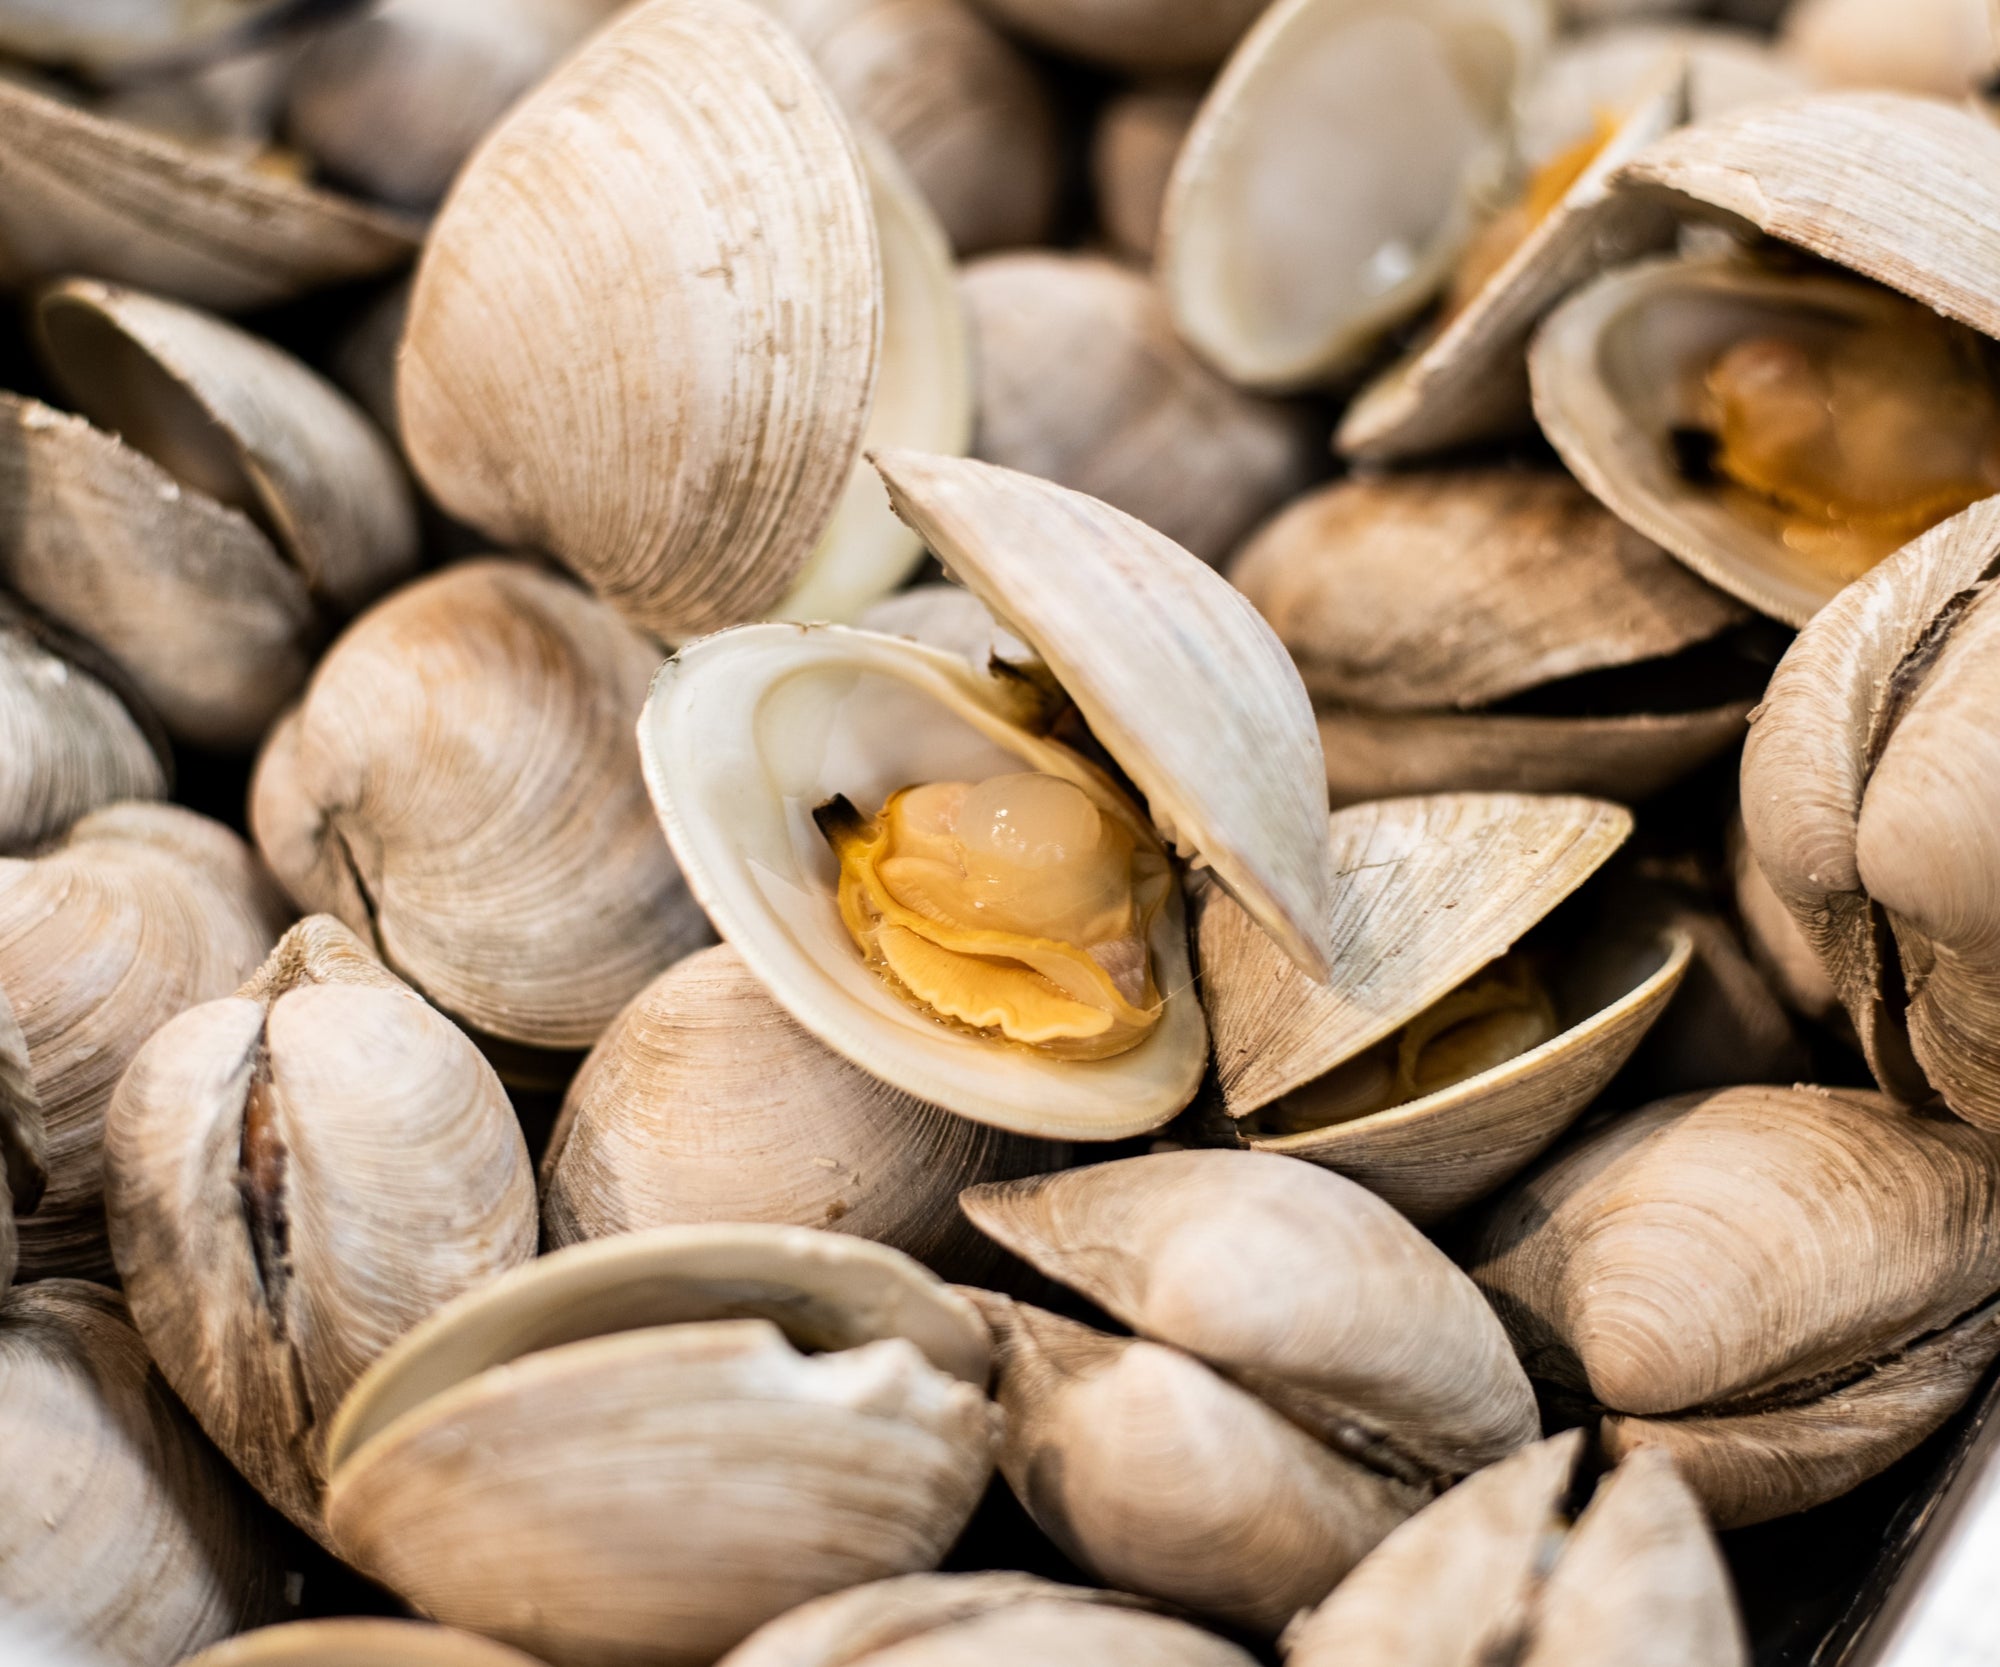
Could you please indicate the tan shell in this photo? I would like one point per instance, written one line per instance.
(591, 355)
(1083, 382)
(1863, 803)
(1132, 150)
(79, 194)
(245, 424)
(186, 596)
(121, 1532)
(294, 1177)
(68, 742)
(1943, 48)
(24, 1140)
(1332, 175)
(354, 1641)
(460, 787)
(962, 107)
(1161, 1477)
(140, 911)
(1137, 35)
(1493, 1570)
(663, 1469)
(1788, 1287)
(1293, 1281)
(706, 1101)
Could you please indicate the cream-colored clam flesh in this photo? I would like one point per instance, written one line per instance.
(923, 398)
(1779, 434)
(748, 733)
(1333, 175)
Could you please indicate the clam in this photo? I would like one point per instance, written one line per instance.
(622, 385)
(705, 1101)
(939, 889)
(978, 1620)
(961, 106)
(71, 742)
(121, 1532)
(24, 1157)
(354, 1641)
(1940, 47)
(459, 786)
(294, 1176)
(1138, 35)
(1493, 628)
(1081, 380)
(139, 911)
(83, 194)
(1132, 151)
(1783, 1289)
(1334, 175)
(1507, 1567)
(1776, 942)
(1867, 803)
(1446, 1052)
(680, 1434)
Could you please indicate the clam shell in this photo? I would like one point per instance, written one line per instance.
(594, 366)
(1942, 48)
(121, 1531)
(809, 712)
(1777, 944)
(23, 1140)
(1139, 35)
(1295, 1282)
(1082, 381)
(698, 1102)
(354, 1641)
(1329, 181)
(1132, 150)
(404, 1181)
(79, 194)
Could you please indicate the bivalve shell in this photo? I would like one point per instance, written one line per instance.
(355, 1641)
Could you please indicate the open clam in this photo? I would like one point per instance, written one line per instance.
(24, 1141)
(1445, 1053)
(355, 1641)
(683, 1433)
(1493, 628)
(1335, 173)
(1784, 1289)
(1030, 969)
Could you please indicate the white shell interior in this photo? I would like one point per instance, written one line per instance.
(748, 731)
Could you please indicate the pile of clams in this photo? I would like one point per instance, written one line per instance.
(945, 833)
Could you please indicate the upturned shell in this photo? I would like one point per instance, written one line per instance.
(121, 1531)
(1138, 35)
(138, 912)
(1498, 1570)
(663, 1466)
(459, 786)
(353, 1641)
(295, 1176)
(706, 1101)
(1082, 381)
(1786, 1289)
(1296, 1283)
(624, 386)
(1132, 151)
(24, 1140)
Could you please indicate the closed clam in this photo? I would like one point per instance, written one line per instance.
(294, 1176)
(121, 1531)
(459, 786)
(1512, 1565)
(1783, 1289)
(353, 1641)
(939, 889)
(24, 1158)
(139, 911)
(1492, 628)
(1082, 381)
(1132, 151)
(681, 1434)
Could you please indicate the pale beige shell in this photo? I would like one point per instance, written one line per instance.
(296, 1175)
(79, 194)
(24, 1140)
(1132, 150)
(354, 1641)
(663, 1469)
(1943, 48)
(460, 787)
(1863, 806)
(592, 365)
(1494, 1570)
(1161, 1477)
(68, 742)
(1082, 381)
(1788, 1287)
(1333, 175)
(1295, 1282)
(140, 911)
(121, 1531)
(960, 104)
(1137, 35)
(243, 423)
(186, 596)
(706, 1101)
